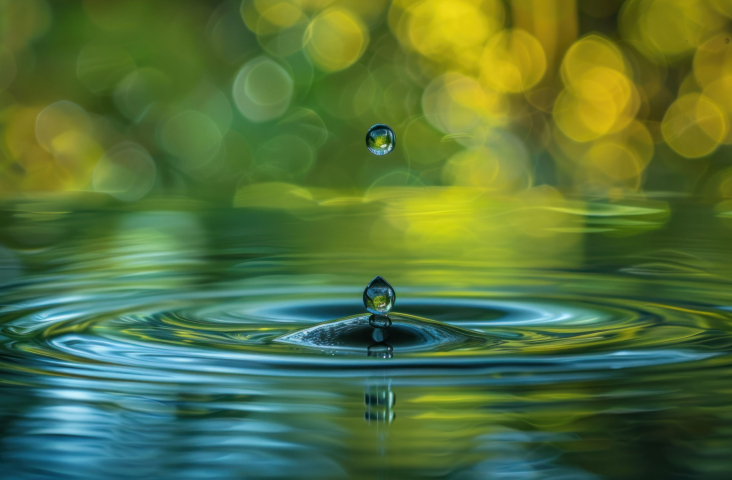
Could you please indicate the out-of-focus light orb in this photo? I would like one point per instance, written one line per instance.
(713, 59)
(500, 164)
(283, 13)
(335, 39)
(126, 171)
(603, 101)
(380, 139)
(57, 120)
(675, 27)
(65, 131)
(589, 53)
(614, 159)
(285, 157)
(267, 17)
(262, 90)
(136, 94)
(457, 104)
(77, 152)
(192, 138)
(212, 102)
(22, 21)
(450, 31)
(513, 61)
(694, 125)
(719, 92)
(598, 98)
(280, 25)
(618, 158)
(285, 42)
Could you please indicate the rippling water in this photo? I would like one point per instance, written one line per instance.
(149, 345)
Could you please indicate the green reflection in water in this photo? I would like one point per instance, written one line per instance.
(150, 335)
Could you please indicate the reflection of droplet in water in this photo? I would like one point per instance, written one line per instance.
(378, 395)
(380, 350)
(379, 400)
(379, 297)
(380, 139)
(379, 416)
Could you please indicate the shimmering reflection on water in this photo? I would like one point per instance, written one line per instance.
(149, 353)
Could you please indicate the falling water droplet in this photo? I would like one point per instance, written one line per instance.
(379, 297)
(380, 139)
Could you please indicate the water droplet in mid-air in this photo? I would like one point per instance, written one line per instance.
(379, 297)
(380, 139)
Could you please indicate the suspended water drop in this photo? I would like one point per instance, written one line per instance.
(380, 139)
(379, 297)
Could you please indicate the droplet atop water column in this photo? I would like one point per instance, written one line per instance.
(380, 139)
(379, 297)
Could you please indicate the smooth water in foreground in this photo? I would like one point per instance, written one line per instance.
(142, 344)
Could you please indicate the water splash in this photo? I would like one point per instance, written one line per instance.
(406, 334)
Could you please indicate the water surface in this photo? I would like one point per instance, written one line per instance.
(141, 344)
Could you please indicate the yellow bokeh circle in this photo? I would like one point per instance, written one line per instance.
(615, 160)
(513, 61)
(588, 54)
(501, 164)
(719, 92)
(713, 59)
(694, 125)
(268, 17)
(442, 28)
(335, 39)
(602, 101)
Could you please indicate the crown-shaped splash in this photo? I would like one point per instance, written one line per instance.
(379, 297)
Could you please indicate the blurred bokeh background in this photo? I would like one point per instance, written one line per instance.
(262, 102)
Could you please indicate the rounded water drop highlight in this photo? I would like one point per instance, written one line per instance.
(380, 139)
(379, 296)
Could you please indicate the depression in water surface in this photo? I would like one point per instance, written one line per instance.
(163, 344)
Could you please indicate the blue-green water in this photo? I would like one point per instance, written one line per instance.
(141, 344)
